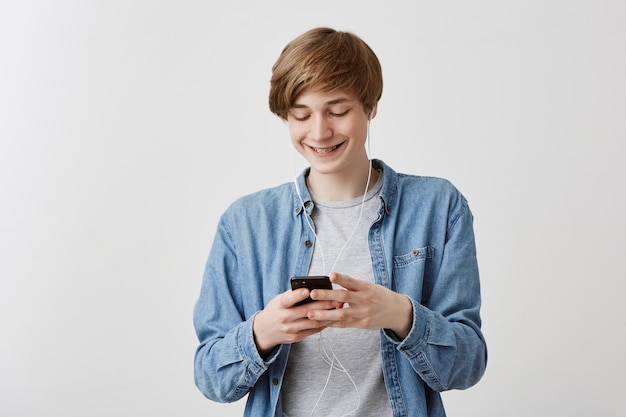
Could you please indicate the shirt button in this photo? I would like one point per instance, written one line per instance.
(416, 252)
(298, 210)
(308, 243)
(275, 381)
(307, 204)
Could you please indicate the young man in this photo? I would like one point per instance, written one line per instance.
(402, 322)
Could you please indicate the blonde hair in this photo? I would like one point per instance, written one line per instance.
(329, 60)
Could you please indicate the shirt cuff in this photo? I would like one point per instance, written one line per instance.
(415, 341)
(249, 349)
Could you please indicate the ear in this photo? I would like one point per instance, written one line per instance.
(373, 112)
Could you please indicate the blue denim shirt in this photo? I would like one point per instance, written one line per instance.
(421, 245)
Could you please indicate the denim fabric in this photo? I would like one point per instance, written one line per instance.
(422, 245)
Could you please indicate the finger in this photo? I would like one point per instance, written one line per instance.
(320, 304)
(292, 297)
(337, 297)
(306, 333)
(345, 281)
(329, 317)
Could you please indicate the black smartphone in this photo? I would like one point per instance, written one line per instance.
(321, 282)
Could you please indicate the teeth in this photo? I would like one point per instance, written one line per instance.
(325, 150)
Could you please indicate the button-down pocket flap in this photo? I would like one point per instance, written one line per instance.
(414, 255)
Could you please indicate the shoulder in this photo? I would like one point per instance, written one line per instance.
(425, 193)
(415, 185)
(423, 182)
(269, 200)
(434, 198)
(436, 187)
(428, 187)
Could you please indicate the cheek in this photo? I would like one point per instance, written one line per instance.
(296, 133)
(358, 132)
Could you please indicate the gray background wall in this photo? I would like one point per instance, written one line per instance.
(126, 127)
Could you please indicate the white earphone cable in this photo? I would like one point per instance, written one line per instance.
(323, 341)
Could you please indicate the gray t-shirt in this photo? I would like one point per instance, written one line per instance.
(356, 350)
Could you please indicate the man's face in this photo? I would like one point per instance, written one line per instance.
(329, 129)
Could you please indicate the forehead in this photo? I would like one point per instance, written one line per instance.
(312, 97)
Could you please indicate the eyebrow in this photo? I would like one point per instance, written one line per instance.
(328, 103)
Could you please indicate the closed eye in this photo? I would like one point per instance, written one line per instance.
(300, 119)
(340, 114)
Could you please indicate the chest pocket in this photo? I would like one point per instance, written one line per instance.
(412, 273)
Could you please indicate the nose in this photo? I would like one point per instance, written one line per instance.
(321, 128)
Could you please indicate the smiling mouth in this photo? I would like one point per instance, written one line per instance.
(324, 151)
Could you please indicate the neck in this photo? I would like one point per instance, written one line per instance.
(342, 186)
